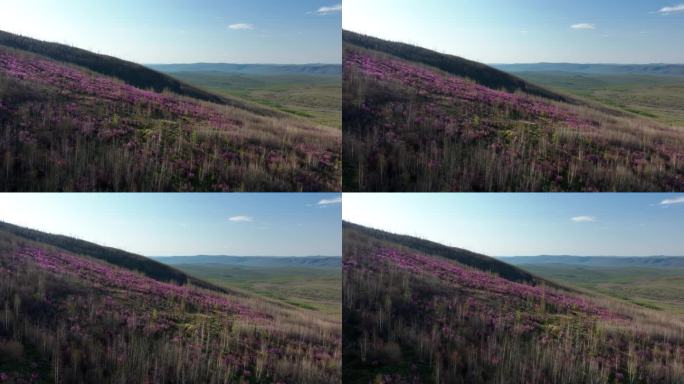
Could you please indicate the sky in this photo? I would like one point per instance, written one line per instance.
(186, 31)
(176, 224)
(529, 31)
(501, 224)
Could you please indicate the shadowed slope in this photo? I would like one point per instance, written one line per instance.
(465, 257)
(131, 261)
(480, 73)
(131, 73)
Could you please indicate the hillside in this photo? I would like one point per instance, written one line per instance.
(253, 69)
(461, 256)
(123, 259)
(480, 73)
(602, 69)
(414, 124)
(131, 73)
(411, 316)
(71, 128)
(71, 318)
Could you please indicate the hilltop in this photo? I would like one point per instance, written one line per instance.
(420, 121)
(70, 316)
(411, 315)
(77, 121)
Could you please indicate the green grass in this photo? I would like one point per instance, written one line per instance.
(317, 289)
(658, 97)
(656, 288)
(315, 98)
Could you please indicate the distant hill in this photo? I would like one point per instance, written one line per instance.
(131, 73)
(598, 261)
(596, 69)
(131, 261)
(253, 69)
(458, 66)
(465, 257)
(254, 261)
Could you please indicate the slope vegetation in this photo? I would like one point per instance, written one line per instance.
(133, 74)
(410, 316)
(68, 128)
(70, 318)
(454, 65)
(414, 124)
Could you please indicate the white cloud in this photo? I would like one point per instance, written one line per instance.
(676, 200)
(671, 9)
(583, 219)
(583, 26)
(329, 9)
(241, 26)
(337, 200)
(241, 219)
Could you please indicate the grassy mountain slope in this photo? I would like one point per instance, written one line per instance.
(123, 259)
(66, 128)
(410, 316)
(71, 318)
(131, 73)
(462, 256)
(480, 73)
(411, 126)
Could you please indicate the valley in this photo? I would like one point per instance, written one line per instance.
(310, 283)
(651, 282)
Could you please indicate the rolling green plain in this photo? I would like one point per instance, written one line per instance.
(317, 98)
(317, 289)
(656, 288)
(655, 96)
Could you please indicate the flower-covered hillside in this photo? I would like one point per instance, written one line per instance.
(412, 127)
(68, 129)
(67, 318)
(411, 317)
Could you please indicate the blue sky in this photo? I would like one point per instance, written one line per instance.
(261, 224)
(524, 31)
(186, 31)
(604, 224)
